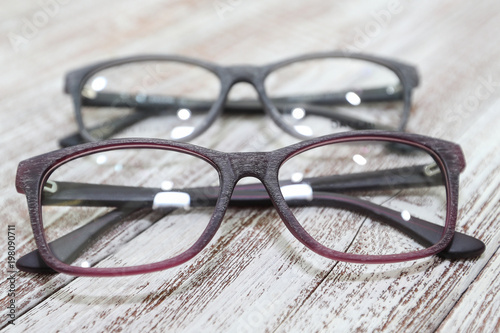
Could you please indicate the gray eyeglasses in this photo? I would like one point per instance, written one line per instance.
(178, 98)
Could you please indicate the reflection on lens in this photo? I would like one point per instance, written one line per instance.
(304, 130)
(148, 99)
(336, 94)
(127, 207)
(298, 113)
(353, 98)
(367, 197)
(184, 114)
(99, 83)
(180, 132)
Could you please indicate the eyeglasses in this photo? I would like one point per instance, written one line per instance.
(130, 206)
(179, 98)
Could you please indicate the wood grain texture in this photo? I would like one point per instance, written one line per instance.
(478, 308)
(254, 276)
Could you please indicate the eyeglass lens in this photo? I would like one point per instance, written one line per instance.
(162, 99)
(140, 205)
(367, 196)
(321, 96)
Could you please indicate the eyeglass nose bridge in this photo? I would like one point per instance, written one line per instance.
(253, 75)
(250, 164)
(244, 73)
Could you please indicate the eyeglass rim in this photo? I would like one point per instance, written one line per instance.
(33, 173)
(76, 79)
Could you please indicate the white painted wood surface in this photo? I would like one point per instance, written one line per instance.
(255, 277)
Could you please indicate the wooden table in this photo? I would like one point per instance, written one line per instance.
(253, 282)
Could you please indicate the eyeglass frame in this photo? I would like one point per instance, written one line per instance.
(228, 77)
(33, 174)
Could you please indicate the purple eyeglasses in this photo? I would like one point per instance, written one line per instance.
(131, 206)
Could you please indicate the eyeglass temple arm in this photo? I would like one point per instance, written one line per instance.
(117, 100)
(82, 194)
(111, 127)
(68, 247)
(130, 199)
(154, 105)
(426, 233)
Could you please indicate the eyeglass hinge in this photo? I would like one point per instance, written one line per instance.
(50, 186)
(431, 169)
